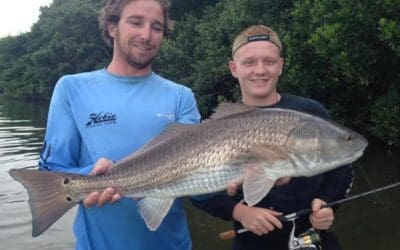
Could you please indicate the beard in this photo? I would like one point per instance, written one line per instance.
(130, 57)
(137, 62)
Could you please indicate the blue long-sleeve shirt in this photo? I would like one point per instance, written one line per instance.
(98, 114)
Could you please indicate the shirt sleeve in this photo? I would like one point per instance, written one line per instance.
(336, 184)
(62, 144)
(218, 205)
(188, 111)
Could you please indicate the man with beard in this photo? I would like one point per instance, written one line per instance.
(99, 117)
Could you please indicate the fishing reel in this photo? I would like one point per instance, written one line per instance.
(309, 240)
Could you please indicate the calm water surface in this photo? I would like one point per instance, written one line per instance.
(368, 223)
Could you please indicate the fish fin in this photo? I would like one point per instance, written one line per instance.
(256, 184)
(48, 200)
(170, 132)
(225, 109)
(153, 211)
(173, 130)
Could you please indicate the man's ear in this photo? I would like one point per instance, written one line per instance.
(233, 68)
(111, 27)
(282, 62)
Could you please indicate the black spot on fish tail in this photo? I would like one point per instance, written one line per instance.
(48, 198)
(66, 181)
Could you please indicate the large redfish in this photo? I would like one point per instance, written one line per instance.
(250, 145)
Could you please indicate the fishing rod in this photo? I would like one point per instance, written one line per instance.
(292, 216)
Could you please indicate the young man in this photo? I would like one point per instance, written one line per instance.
(257, 64)
(102, 116)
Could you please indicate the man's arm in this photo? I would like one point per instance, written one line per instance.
(336, 184)
(62, 145)
(188, 112)
(218, 205)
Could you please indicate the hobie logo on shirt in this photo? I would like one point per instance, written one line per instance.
(99, 119)
(166, 116)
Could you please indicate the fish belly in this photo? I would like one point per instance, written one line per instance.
(201, 182)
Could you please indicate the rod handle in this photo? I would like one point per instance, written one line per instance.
(227, 235)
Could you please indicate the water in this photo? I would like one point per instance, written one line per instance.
(368, 223)
(21, 137)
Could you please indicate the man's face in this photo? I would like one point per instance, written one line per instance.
(139, 33)
(257, 66)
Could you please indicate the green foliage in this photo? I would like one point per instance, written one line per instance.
(179, 9)
(390, 34)
(343, 53)
(386, 117)
(202, 46)
(65, 40)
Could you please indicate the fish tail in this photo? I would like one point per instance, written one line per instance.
(48, 197)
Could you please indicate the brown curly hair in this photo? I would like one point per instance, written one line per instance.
(111, 13)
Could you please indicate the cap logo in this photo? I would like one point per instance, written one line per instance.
(258, 38)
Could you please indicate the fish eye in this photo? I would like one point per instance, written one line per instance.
(69, 199)
(348, 138)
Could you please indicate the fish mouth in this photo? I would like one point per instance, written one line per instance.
(357, 153)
